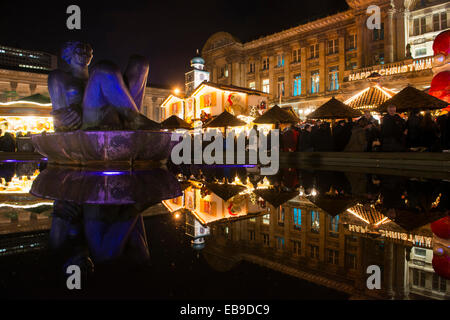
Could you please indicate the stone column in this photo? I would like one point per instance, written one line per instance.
(305, 77)
(342, 35)
(402, 33)
(389, 36)
(273, 82)
(287, 51)
(322, 66)
(257, 60)
(360, 34)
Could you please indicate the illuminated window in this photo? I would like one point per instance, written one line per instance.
(315, 223)
(315, 79)
(297, 85)
(252, 85)
(334, 226)
(266, 219)
(297, 219)
(280, 60)
(333, 78)
(266, 85)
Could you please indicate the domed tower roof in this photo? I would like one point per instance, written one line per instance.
(198, 62)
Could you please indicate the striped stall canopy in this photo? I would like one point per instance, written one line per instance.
(370, 98)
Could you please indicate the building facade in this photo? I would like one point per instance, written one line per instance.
(307, 65)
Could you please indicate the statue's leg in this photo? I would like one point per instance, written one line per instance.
(135, 77)
(108, 104)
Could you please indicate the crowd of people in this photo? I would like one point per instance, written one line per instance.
(10, 142)
(417, 131)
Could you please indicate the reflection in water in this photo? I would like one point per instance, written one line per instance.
(324, 227)
(97, 215)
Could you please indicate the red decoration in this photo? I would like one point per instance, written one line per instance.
(441, 44)
(441, 228)
(441, 265)
(440, 86)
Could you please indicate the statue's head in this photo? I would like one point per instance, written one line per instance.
(76, 53)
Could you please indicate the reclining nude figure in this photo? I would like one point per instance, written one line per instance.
(102, 100)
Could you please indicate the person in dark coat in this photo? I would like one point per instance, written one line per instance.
(393, 131)
(341, 135)
(322, 138)
(305, 143)
(8, 143)
(429, 134)
(413, 123)
(443, 122)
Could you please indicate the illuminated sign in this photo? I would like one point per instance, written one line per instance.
(417, 65)
(417, 240)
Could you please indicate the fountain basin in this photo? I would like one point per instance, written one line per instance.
(109, 187)
(83, 148)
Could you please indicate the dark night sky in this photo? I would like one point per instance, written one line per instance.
(167, 32)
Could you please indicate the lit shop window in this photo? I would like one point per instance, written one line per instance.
(266, 85)
(315, 79)
(266, 219)
(333, 78)
(297, 85)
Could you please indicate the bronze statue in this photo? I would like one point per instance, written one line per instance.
(101, 100)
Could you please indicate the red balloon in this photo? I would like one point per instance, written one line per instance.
(441, 44)
(441, 265)
(441, 228)
(440, 86)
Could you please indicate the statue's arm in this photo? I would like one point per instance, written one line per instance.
(56, 88)
(65, 117)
